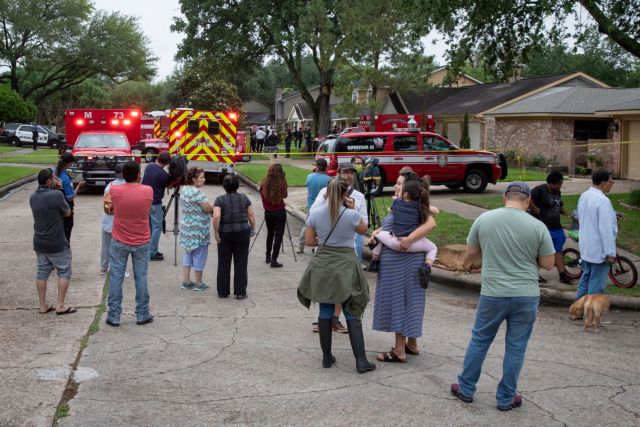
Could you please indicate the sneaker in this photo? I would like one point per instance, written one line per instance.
(186, 285)
(201, 287)
(542, 279)
(516, 403)
(339, 327)
(300, 251)
(425, 275)
(156, 257)
(315, 327)
(144, 322)
(565, 279)
(455, 390)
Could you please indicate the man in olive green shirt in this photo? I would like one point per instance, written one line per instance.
(513, 245)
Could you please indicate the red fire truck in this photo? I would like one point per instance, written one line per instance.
(391, 122)
(208, 139)
(100, 139)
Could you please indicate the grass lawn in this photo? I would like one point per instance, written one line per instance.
(296, 177)
(7, 149)
(516, 174)
(9, 174)
(628, 227)
(451, 228)
(44, 156)
(295, 154)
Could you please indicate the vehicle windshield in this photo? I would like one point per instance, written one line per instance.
(46, 129)
(327, 146)
(88, 140)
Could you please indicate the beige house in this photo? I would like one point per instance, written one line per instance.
(626, 119)
(437, 76)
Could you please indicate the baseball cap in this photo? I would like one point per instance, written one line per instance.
(518, 187)
(346, 167)
(321, 163)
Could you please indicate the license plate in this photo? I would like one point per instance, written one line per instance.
(101, 183)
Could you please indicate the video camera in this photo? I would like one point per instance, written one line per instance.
(177, 170)
(370, 174)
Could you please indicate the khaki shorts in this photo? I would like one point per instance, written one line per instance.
(61, 261)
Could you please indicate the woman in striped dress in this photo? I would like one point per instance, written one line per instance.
(400, 300)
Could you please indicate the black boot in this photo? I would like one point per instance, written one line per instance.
(357, 345)
(268, 258)
(325, 328)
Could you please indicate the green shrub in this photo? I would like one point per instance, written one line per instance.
(537, 160)
(634, 198)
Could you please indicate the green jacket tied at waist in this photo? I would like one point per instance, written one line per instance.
(334, 276)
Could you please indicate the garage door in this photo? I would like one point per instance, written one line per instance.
(633, 160)
(474, 135)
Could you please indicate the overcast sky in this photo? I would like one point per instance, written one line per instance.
(156, 17)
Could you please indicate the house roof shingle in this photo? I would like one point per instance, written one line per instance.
(416, 102)
(624, 106)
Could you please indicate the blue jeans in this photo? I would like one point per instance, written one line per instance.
(118, 256)
(327, 310)
(155, 224)
(593, 279)
(358, 246)
(520, 314)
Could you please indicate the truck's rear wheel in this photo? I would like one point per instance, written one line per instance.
(15, 142)
(149, 155)
(475, 181)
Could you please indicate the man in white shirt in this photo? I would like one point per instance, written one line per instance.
(260, 136)
(598, 232)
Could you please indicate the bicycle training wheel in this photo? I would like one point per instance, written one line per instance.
(623, 273)
(572, 265)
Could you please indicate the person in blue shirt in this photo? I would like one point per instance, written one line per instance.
(157, 178)
(67, 188)
(316, 181)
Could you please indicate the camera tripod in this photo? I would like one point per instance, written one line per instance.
(372, 208)
(176, 222)
(286, 221)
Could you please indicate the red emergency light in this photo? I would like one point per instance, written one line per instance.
(126, 122)
(80, 122)
(233, 116)
(115, 122)
(135, 113)
(177, 134)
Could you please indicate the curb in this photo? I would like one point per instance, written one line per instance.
(5, 189)
(457, 279)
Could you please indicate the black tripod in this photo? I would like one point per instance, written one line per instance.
(372, 208)
(295, 258)
(176, 223)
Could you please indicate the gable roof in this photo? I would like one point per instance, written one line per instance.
(444, 68)
(412, 102)
(570, 100)
(481, 99)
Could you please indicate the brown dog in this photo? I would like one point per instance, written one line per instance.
(592, 307)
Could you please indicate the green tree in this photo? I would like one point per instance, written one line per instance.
(465, 140)
(50, 46)
(503, 34)
(13, 108)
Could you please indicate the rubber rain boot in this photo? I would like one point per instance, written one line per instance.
(357, 345)
(325, 329)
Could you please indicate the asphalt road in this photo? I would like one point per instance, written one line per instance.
(206, 361)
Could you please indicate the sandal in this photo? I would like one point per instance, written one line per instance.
(48, 310)
(69, 310)
(409, 351)
(390, 357)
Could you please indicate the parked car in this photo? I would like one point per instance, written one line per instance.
(18, 134)
(53, 138)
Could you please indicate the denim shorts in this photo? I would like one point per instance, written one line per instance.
(558, 238)
(196, 259)
(61, 261)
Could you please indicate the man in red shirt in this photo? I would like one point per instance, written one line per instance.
(130, 204)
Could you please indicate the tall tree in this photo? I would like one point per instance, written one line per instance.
(46, 47)
(13, 108)
(503, 34)
(465, 140)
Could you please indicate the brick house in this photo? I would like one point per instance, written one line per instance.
(626, 127)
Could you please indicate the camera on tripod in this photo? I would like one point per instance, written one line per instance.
(370, 175)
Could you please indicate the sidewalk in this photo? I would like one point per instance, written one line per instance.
(553, 291)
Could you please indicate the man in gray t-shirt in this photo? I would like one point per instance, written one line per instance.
(49, 207)
(513, 245)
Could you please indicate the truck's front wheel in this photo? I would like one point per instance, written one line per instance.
(475, 181)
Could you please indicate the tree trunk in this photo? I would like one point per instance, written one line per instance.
(323, 119)
(608, 27)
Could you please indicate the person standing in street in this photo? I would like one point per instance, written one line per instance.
(260, 136)
(66, 159)
(287, 142)
(273, 191)
(157, 178)
(34, 136)
(598, 232)
(130, 204)
(315, 182)
(271, 143)
(547, 206)
(107, 224)
(298, 134)
(513, 245)
(49, 207)
(307, 139)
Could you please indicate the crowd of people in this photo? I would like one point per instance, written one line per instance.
(514, 242)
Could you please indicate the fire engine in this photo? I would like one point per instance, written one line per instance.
(208, 139)
(427, 153)
(391, 122)
(100, 140)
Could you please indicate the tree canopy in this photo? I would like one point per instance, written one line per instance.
(13, 108)
(503, 34)
(47, 47)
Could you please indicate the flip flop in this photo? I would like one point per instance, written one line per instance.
(69, 310)
(409, 351)
(49, 310)
(391, 357)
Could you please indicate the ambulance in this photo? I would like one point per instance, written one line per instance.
(100, 140)
(208, 139)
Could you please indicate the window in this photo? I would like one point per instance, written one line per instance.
(590, 129)
(405, 143)
(88, 140)
(360, 145)
(214, 127)
(193, 126)
(26, 128)
(432, 143)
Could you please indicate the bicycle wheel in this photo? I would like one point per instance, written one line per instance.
(572, 265)
(623, 273)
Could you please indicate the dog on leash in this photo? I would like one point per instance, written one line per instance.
(592, 308)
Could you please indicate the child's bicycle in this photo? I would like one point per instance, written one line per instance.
(622, 272)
